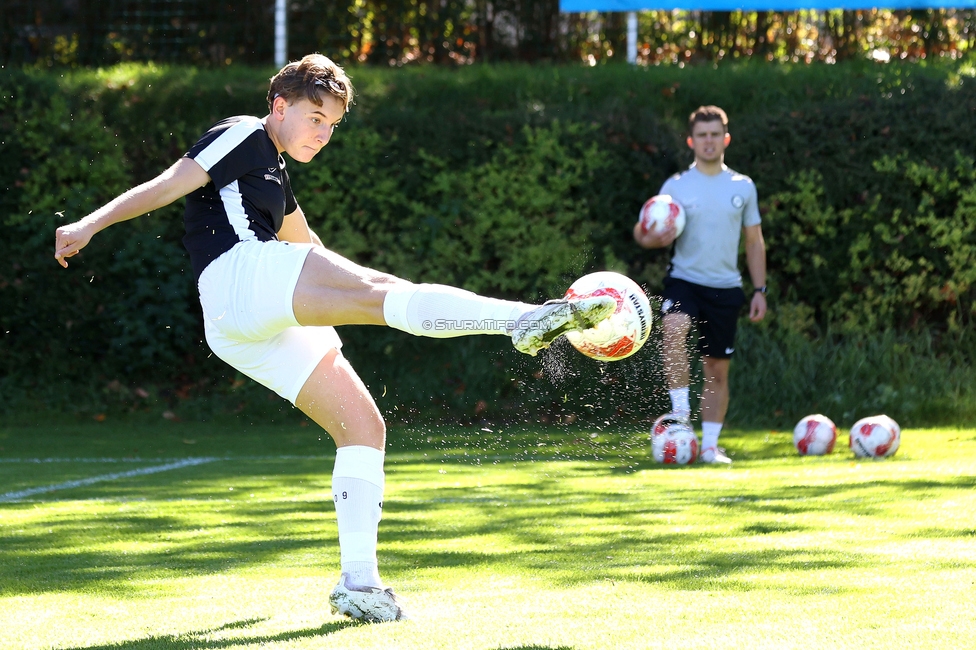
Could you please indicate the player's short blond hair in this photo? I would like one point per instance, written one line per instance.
(308, 78)
(707, 114)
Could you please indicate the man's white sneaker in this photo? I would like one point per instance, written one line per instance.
(537, 329)
(715, 455)
(369, 604)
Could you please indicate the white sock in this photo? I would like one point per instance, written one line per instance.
(357, 490)
(680, 404)
(439, 311)
(710, 433)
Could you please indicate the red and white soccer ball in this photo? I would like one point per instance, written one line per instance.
(877, 436)
(673, 442)
(814, 435)
(661, 211)
(623, 332)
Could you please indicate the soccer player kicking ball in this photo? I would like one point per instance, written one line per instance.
(703, 283)
(271, 294)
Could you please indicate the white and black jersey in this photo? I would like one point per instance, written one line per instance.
(248, 196)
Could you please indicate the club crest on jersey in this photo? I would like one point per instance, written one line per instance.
(666, 305)
(737, 201)
(272, 177)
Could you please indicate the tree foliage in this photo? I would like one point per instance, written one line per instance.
(398, 32)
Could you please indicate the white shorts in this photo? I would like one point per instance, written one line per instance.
(246, 295)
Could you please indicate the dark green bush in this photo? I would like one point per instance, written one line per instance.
(783, 374)
(904, 258)
(510, 181)
(519, 224)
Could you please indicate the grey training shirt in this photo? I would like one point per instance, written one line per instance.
(717, 208)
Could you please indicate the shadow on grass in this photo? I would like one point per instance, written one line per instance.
(197, 640)
(594, 525)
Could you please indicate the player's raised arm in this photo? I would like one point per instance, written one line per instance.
(180, 179)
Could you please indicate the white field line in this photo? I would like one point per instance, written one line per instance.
(142, 471)
(137, 459)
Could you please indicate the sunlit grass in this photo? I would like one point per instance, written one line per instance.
(561, 538)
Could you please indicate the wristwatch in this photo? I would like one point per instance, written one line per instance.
(761, 290)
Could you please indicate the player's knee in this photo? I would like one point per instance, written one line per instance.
(369, 432)
(676, 325)
(376, 429)
(386, 281)
(716, 370)
(373, 435)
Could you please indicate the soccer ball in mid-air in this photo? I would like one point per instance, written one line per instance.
(877, 436)
(661, 211)
(673, 441)
(623, 332)
(814, 435)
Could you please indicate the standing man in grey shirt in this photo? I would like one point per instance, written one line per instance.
(704, 284)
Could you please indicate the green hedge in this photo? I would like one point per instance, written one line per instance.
(509, 181)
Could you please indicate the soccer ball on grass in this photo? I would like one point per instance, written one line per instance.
(814, 435)
(673, 441)
(623, 332)
(877, 436)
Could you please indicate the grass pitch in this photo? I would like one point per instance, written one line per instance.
(553, 539)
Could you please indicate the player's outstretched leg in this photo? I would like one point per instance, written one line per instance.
(332, 290)
(536, 329)
(440, 311)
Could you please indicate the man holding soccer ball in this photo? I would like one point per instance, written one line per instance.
(704, 285)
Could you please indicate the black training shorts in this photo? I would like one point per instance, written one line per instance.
(714, 311)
